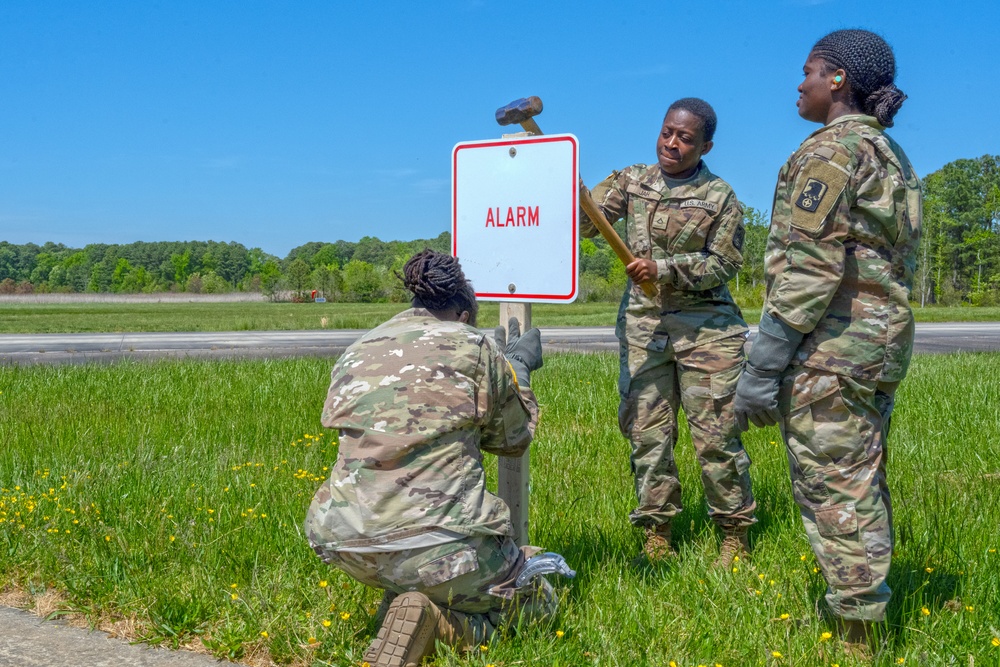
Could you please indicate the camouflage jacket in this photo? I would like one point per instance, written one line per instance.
(842, 248)
(694, 233)
(416, 401)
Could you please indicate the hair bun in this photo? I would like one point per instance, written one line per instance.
(884, 103)
(434, 278)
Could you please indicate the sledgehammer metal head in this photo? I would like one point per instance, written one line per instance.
(521, 111)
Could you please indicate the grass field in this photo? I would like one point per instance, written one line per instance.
(165, 500)
(267, 316)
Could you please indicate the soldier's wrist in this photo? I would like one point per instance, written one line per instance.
(664, 270)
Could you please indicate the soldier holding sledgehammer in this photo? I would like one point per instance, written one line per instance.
(683, 346)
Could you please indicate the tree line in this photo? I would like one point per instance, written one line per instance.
(958, 262)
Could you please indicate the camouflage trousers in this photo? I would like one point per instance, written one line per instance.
(835, 430)
(472, 579)
(652, 386)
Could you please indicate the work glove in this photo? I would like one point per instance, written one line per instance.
(523, 352)
(756, 399)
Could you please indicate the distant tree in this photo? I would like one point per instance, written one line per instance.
(181, 264)
(755, 226)
(329, 280)
(298, 276)
(362, 283)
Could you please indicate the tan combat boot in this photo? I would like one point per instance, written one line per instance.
(407, 634)
(658, 546)
(858, 637)
(734, 545)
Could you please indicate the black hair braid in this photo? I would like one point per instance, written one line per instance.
(437, 282)
(884, 103)
(871, 69)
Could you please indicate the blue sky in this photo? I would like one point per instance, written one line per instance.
(277, 123)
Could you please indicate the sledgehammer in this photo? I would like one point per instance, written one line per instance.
(522, 111)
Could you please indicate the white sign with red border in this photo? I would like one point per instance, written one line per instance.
(514, 217)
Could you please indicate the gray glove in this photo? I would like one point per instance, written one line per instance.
(523, 352)
(757, 390)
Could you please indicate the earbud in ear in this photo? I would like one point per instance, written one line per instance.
(838, 79)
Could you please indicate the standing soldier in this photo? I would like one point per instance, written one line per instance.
(685, 346)
(836, 332)
(416, 401)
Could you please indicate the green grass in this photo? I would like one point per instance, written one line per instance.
(159, 491)
(267, 316)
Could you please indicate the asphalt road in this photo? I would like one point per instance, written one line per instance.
(83, 348)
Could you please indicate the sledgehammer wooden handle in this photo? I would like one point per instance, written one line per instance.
(522, 111)
(608, 232)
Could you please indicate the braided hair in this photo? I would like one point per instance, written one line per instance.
(437, 283)
(871, 69)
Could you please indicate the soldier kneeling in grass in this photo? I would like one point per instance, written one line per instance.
(416, 401)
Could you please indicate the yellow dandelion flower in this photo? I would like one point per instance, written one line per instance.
(484, 648)
(900, 661)
(736, 559)
(815, 570)
(928, 570)
(925, 611)
(736, 569)
(761, 577)
(835, 664)
(322, 584)
(560, 633)
(776, 654)
(993, 551)
(970, 608)
(327, 623)
(107, 538)
(234, 596)
(802, 558)
(995, 641)
(825, 636)
(232, 585)
(311, 640)
(784, 617)
(263, 633)
(172, 538)
(673, 664)
(344, 615)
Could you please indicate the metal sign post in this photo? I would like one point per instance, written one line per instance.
(515, 229)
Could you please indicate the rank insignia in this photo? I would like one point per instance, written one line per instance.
(812, 195)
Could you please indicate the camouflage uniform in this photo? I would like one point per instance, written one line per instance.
(685, 346)
(416, 401)
(840, 259)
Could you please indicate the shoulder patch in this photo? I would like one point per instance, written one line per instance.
(738, 237)
(700, 203)
(817, 189)
(812, 195)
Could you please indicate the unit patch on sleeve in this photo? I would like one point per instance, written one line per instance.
(817, 190)
(738, 236)
(812, 195)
